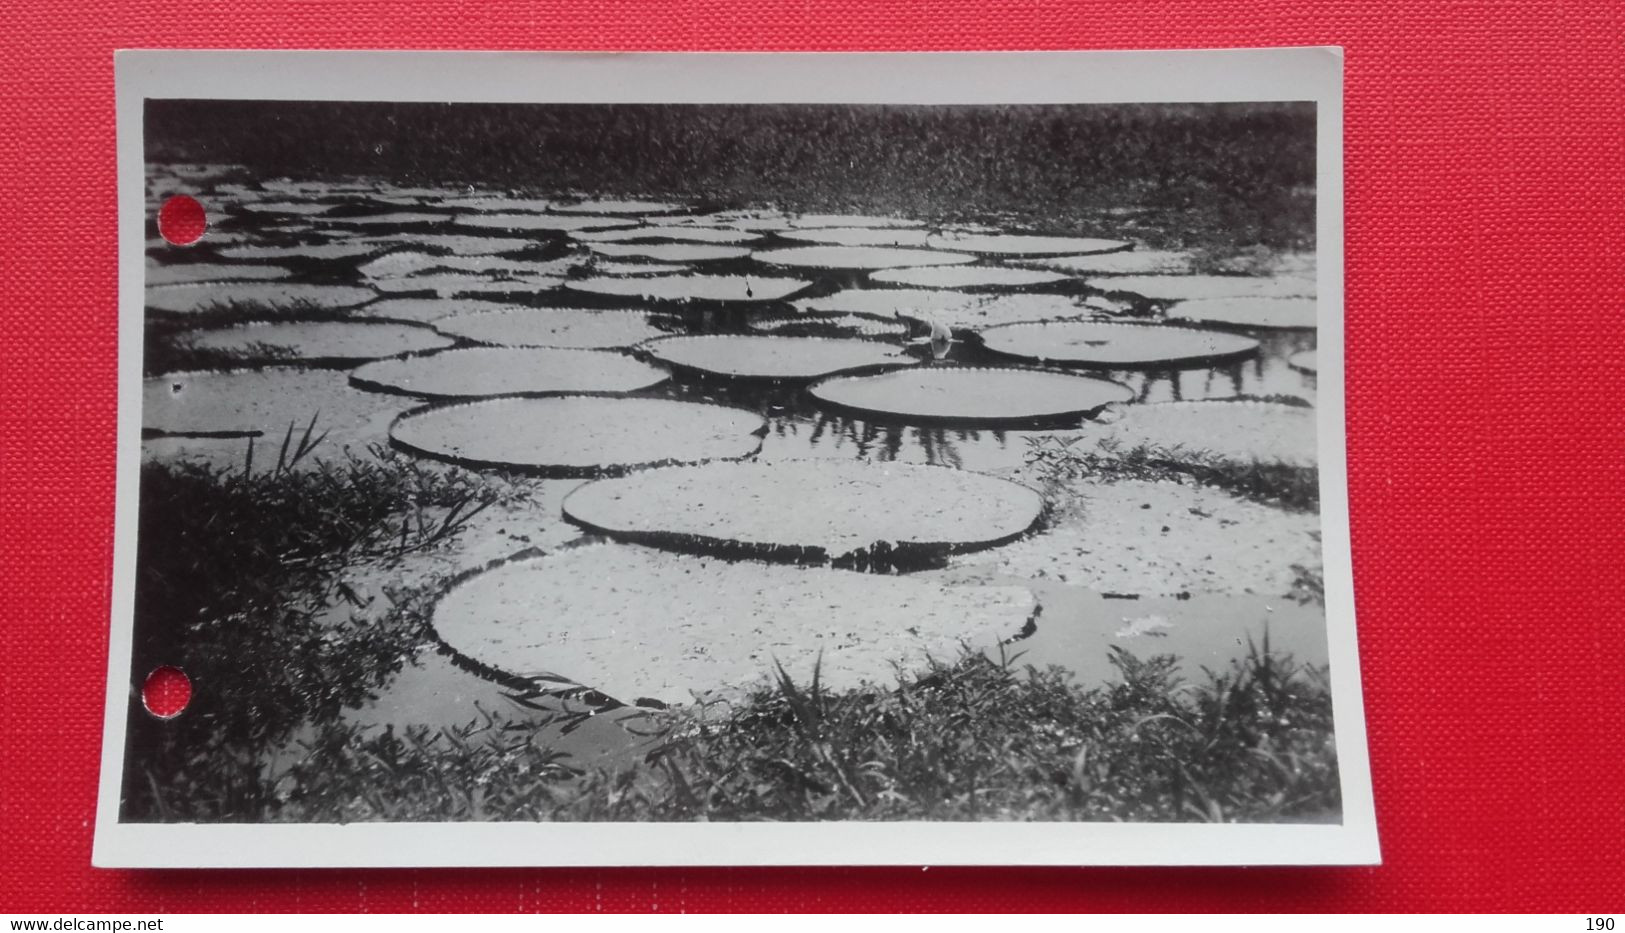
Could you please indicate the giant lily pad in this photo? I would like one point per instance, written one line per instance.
(1305, 361)
(971, 396)
(685, 234)
(192, 272)
(1248, 312)
(193, 298)
(291, 208)
(1182, 287)
(425, 310)
(953, 309)
(775, 358)
(1242, 431)
(683, 288)
(580, 328)
(542, 222)
(480, 372)
(857, 257)
(398, 219)
(448, 284)
(251, 402)
(1145, 538)
(610, 267)
(966, 277)
(324, 342)
(1108, 345)
(460, 244)
(854, 220)
(312, 252)
(819, 324)
(858, 236)
(1014, 245)
(578, 435)
(810, 511)
(669, 252)
(495, 203)
(411, 262)
(1127, 262)
(638, 624)
(609, 206)
(754, 221)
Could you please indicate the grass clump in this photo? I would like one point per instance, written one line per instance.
(979, 740)
(240, 584)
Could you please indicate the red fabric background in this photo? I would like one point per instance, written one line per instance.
(1486, 295)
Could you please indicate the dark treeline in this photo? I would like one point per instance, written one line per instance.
(1247, 164)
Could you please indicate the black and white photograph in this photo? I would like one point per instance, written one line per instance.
(827, 459)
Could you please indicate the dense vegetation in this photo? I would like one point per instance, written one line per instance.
(1237, 174)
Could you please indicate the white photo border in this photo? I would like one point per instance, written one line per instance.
(1189, 76)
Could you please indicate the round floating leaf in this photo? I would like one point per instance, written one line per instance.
(1108, 345)
(190, 299)
(1304, 361)
(1013, 245)
(400, 219)
(635, 624)
(1248, 312)
(578, 435)
(875, 515)
(669, 252)
(448, 284)
(1182, 287)
(542, 222)
(327, 342)
(314, 252)
(258, 402)
(496, 203)
(618, 207)
(480, 372)
(952, 309)
(1128, 262)
(684, 234)
(858, 236)
(853, 220)
(1142, 538)
(425, 310)
(409, 262)
(692, 287)
(775, 358)
(817, 324)
(755, 221)
(1244, 431)
(291, 208)
(579, 328)
(966, 277)
(459, 244)
(970, 396)
(193, 272)
(857, 257)
(607, 267)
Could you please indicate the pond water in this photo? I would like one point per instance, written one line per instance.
(578, 271)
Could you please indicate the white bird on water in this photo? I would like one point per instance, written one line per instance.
(941, 337)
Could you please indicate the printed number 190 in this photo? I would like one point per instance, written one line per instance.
(1599, 923)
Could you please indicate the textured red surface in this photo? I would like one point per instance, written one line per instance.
(1486, 363)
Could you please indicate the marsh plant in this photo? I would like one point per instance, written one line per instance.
(240, 584)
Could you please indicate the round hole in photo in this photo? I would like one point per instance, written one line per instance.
(166, 692)
(182, 220)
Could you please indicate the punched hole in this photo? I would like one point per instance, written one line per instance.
(166, 692)
(181, 220)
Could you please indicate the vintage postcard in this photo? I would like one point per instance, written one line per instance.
(679, 459)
